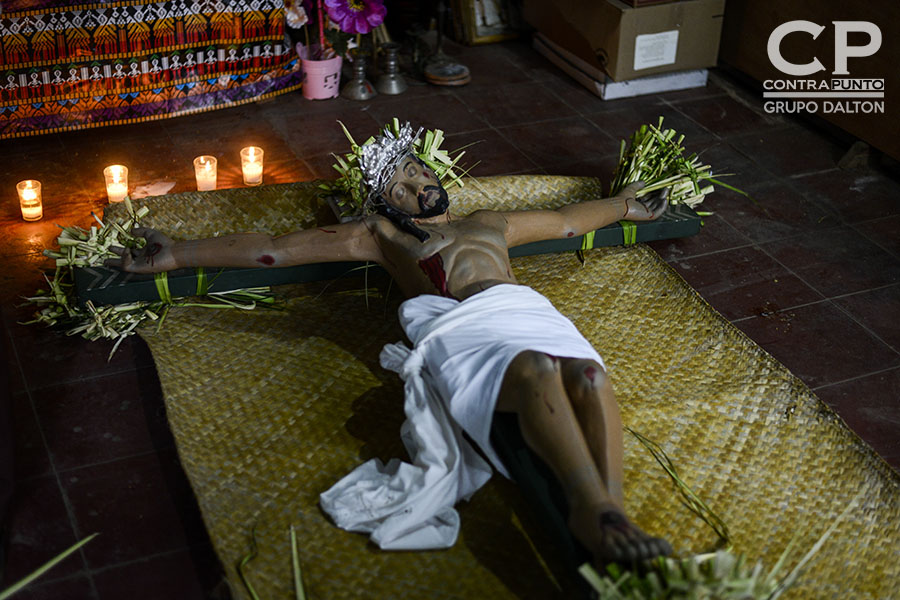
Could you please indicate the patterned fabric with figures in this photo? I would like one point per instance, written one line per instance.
(71, 65)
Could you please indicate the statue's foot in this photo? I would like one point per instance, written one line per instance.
(610, 537)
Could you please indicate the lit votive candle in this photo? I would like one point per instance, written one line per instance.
(205, 171)
(116, 182)
(252, 165)
(30, 199)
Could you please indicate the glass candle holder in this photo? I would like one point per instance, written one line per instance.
(252, 165)
(30, 199)
(116, 182)
(205, 172)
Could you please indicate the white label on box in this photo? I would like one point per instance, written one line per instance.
(655, 49)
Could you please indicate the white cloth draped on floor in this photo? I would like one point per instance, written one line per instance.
(452, 376)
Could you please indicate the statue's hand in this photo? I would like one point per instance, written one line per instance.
(154, 257)
(645, 208)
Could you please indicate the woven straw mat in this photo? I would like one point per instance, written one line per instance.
(270, 408)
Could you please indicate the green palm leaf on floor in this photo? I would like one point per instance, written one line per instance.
(25, 581)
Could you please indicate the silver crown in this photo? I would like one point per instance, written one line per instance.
(379, 158)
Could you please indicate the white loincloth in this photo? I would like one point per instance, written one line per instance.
(461, 351)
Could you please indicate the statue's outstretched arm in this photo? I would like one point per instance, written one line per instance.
(577, 219)
(347, 241)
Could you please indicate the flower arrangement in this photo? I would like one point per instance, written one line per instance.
(296, 13)
(335, 23)
(356, 16)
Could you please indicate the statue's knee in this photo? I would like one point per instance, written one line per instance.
(585, 378)
(534, 366)
(527, 379)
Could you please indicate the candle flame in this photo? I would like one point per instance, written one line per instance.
(116, 171)
(250, 156)
(28, 193)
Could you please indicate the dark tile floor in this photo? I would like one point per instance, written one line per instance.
(810, 270)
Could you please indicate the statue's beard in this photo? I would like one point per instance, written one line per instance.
(433, 201)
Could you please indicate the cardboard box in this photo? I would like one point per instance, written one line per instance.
(627, 42)
(601, 84)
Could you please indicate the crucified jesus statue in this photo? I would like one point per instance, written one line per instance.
(484, 342)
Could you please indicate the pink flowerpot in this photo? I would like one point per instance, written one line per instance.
(322, 78)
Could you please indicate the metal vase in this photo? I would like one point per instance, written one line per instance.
(359, 87)
(391, 82)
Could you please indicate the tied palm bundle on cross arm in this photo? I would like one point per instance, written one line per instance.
(656, 157)
(58, 305)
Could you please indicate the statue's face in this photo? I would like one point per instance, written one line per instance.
(416, 190)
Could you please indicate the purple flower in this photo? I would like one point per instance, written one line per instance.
(356, 16)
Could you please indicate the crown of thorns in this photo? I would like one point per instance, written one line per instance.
(379, 158)
(366, 170)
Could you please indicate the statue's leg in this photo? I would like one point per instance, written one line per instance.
(590, 391)
(533, 388)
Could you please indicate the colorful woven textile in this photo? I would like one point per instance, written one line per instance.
(70, 65)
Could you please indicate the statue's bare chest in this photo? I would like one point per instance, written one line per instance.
(456, 254)
(447, 239)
